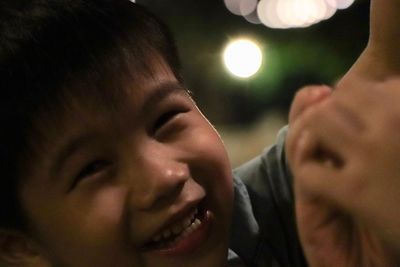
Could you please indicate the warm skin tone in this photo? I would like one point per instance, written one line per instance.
(121, 184)
(344, 152)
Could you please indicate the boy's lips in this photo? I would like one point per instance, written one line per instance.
(183, 235)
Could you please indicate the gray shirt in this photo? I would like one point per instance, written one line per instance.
(263, 227)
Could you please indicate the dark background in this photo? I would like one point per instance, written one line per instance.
(318, 54)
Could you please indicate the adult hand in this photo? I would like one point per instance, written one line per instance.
(344, 153)
(344, 150)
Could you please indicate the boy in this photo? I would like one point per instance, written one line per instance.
(106, 160)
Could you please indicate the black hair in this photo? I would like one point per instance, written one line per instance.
(50, 47)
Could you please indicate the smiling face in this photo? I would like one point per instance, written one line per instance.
(144, 183)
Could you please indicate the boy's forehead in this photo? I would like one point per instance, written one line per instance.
(161, 77)
(137, 97)
(126, 89)
(140, 96)
(109, 107)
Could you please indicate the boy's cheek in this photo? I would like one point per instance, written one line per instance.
(211, 152)
(219, 167)
(202, 144)
(209, 160)
(107, 206)
(86, 213)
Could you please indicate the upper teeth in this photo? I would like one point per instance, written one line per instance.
(178, 227)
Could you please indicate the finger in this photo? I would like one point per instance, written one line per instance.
(306, 97)
(332, 126)
(313, 178)
(299, 125)
(316, 180)
(323, 154)
(321, 144)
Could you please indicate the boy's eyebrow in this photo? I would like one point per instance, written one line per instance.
(160, 92)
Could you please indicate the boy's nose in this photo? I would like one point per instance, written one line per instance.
(159, 181)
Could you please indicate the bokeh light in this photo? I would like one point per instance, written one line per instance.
(247, 7)
(253, 17)
(284, 14)
(242, 57)
(266, 11)
(233, 6)
(342, 4)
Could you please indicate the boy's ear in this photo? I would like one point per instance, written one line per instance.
(18, 250)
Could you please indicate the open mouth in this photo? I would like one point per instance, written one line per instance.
(172, 236)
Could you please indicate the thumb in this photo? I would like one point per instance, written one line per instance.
(385, 31)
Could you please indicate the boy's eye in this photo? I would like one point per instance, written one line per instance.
(90, 169)
(165, 117)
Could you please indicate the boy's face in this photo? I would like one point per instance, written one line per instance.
(146, 183)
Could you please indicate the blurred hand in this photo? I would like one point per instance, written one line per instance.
(344, 152)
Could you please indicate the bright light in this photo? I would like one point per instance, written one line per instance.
(267, 12)
(253, 17)
(282, 14)
(233, 6)
(242, 58)
(340, 4)
(247, 7)
(241, 7)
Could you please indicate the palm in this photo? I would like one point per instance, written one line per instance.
(331, 238)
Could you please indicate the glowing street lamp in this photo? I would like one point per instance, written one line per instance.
(243, 58)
